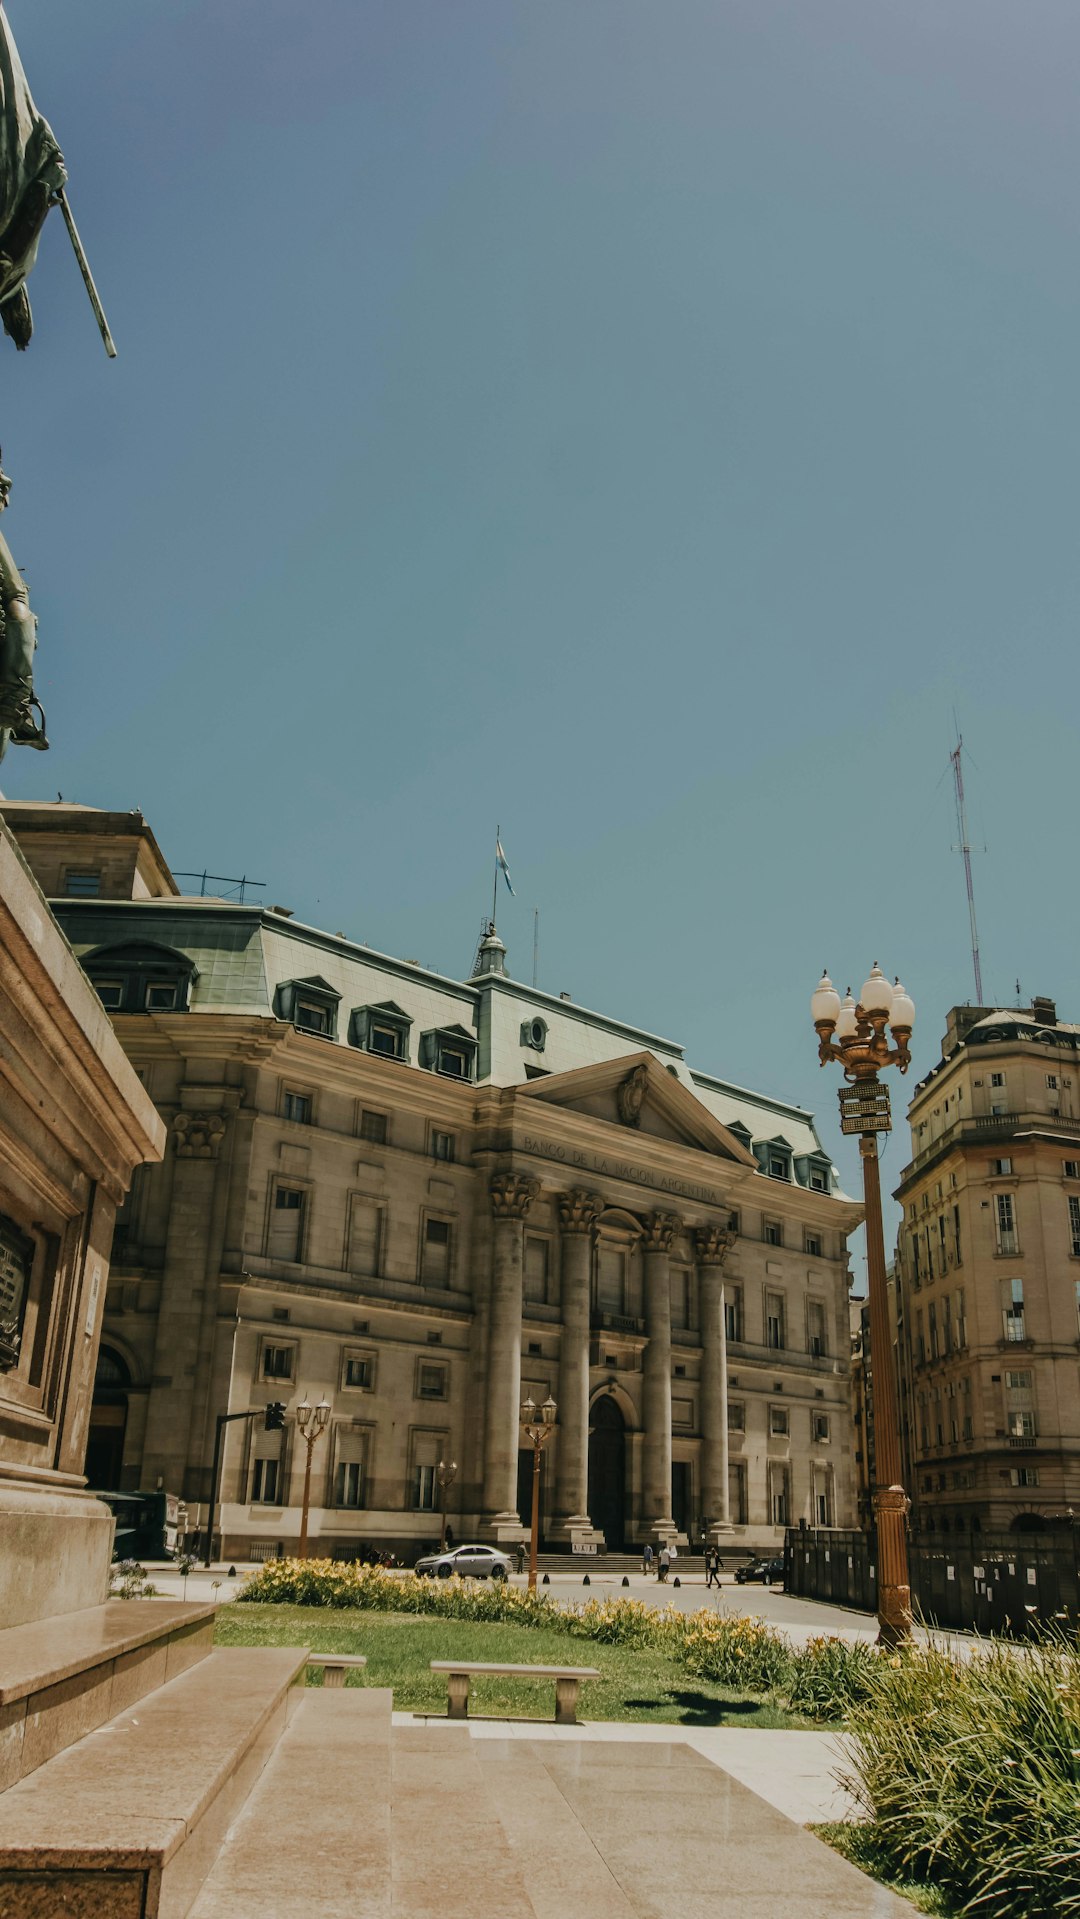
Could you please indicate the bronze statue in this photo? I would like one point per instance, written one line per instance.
(32, 178)
(18, 639)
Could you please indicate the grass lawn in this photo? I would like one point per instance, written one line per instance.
(855, 1843)
(633, 1685)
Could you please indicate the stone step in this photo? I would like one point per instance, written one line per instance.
(314, 1836)
(61, 1677)
(129, 1821)
(551, 1848)
(450, 1855)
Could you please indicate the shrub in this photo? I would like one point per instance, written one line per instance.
(829, 1676)
(129, 1580)
(616, 1622)
(736, 1652)
(969, 1773)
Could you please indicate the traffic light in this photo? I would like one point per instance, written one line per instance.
(275, 1416)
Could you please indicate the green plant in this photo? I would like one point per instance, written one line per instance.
(968, 1771)
(128, 1580)
(829, 1675)
(736, 1652)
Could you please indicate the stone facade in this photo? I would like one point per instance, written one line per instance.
(988, 1275)
(423, 1198)
(74, 1121)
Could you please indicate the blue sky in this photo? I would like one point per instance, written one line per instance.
(638, 424)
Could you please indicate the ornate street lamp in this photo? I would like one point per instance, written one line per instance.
(854, 1034)
(537, 1432)
(445, 1473)
(311, 1421)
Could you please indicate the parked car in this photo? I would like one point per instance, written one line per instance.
(469, 1562)
(765, 1572)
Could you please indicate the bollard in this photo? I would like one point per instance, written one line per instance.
(625, 1580)
(546, 1581)
(586, 1581)
(232, 1572)
(676, 1581)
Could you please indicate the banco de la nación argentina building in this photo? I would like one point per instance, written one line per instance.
(422, 1200)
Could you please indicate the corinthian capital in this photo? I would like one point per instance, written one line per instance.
(198, 1135)
(512, 1194)
(659, 1232)
(712, 1244)
(579, 1210)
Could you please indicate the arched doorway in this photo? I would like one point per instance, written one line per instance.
(108, 1423)
(607, 1472)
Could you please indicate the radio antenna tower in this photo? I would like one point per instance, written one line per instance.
(965, 848)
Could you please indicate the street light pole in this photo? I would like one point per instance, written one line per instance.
(861, 1049)
(446, 1473)
(537, 1432)
(311, 1422)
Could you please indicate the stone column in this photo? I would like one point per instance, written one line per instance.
(577, 1212)
(712, 1245)
(511, 1196)
(660, 1231)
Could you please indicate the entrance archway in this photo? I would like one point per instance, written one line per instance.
(607, 1472)
(108, 1423)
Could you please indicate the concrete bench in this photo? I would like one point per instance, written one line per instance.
(334, 1666)
(567, 1682)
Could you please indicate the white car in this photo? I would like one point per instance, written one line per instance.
(469, 1562)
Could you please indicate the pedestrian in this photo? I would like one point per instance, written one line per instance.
(673, 1554)
(646, 1559)
(665, 1562)
(712, 1568)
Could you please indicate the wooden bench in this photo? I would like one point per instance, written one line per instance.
(334, 1666)
(567, 1682)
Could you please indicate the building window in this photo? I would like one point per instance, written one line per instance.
(278, 1362)
(161, 996)
(1000, 1168)
(298, 1107)
(997, 1079)
(537, 1263)
(1024, 1476)
(309, 1004)
(819, 1180)
(1051, 1082)
(813, 1245)
(778, 1166)
(779, 1423)
(349, 1483)
(817, 1345)
(365, 1236)
(141, 978)
(534, 1034)
(773, 1233)
(442, 1147)
(1074, 1225)
(1005, 1217)
(82, 883)
(1021, 1425)
(823, 1502)
(435, 1253)
(373, 1127)
(449, 1050)
(430, 1380)
(110, 992)
(733, 1313)
(774, 1321)
(821, 1429)
(381, 1029)
(932, 1318)
(736, 1416)
(680, 1297)
(424, 1489)
(264, 1482)
(286, 1223)
(1012, 1310)
(957, 1254)
(358, 1371)
(311, 1016)
(778, 1495)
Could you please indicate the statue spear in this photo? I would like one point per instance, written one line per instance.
(84, 269)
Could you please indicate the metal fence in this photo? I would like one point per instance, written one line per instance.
(1014, 1583)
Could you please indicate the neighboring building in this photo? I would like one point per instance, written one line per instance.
(989, 1256)
(862, 1411)
(424, 1199)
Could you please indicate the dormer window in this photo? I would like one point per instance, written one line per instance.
(773, 1157)
(449, 1050)
(534, 1034)
(381, 1029)
(141, 978)
(310, 1005)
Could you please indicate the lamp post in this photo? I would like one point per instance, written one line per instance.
(445, 1473)
(854, 1034)
(537, 1432)
(311, 1422)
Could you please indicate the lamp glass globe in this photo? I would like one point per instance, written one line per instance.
(877, 994)
(847, 1020)
(824, 1001)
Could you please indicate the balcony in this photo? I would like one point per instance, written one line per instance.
(985, 1130)
(615, 1323)
(1022, 1442)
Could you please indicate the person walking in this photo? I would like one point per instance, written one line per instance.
(712, 1568)
(664, 1563)
(646, 1559)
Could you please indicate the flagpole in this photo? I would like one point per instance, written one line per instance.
(495, 888)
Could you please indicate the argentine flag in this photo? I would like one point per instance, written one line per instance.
(500, 861)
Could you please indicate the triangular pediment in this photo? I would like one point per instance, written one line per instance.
(639, 1096)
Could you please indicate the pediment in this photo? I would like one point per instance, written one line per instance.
(639, 1096)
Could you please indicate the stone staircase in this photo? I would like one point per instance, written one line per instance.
(153, 1777)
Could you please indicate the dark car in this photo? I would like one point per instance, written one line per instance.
(763, 1572)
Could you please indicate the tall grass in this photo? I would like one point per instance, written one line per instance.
(968, 1771)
